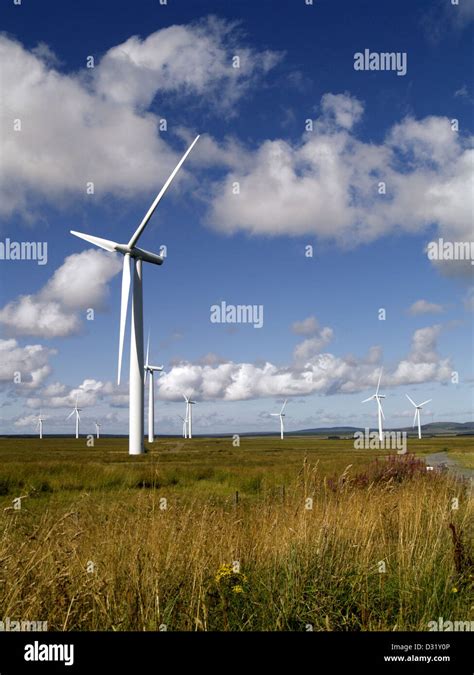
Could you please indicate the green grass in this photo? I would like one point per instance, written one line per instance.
(208, 466)
(464, 458)
(205, 465)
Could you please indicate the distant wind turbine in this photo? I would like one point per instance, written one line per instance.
(185, 426)
(132, 254)
(97, 429)
(281, 415)
(151, 393)
(417, 412)
(189, 414)
(378, 398)
(39, 426)
(75, 410)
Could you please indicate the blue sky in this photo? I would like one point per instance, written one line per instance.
(322, 343)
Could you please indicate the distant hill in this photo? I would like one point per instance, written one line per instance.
(432, 428)
(445, 428)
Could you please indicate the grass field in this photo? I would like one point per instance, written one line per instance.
(201, 535)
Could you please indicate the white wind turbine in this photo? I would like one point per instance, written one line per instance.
(281, 415)
(189, 414)
(151, 393)
(97, 429)
(417, 412)
(185, 426)
(39, 426)
(131, 253)
(75, 410)
(378, 398)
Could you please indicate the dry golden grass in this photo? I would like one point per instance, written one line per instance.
(121, 561)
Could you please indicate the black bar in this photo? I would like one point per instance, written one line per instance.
(315, 652)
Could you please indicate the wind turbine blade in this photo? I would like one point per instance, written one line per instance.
(70, 414)
(123, 309)
(411, 400)
(137, 234)
(283, 406)
(378, 384)
(368, 399)
(147, 354)
(98, 241)
(185, 398)
(425, 402)
(414, 419)
(381, 409)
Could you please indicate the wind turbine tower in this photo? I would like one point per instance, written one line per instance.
(39, 426)
(281, 415)
(149, 369)
(378, 397)
(75, 411)
(418, 412)
(185, 426)
(189, 414)
(134, 257)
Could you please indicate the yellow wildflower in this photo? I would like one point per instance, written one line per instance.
(224, 571)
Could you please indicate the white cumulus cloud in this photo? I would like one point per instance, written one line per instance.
(330, 183)
(30, 363)
(80, 282)
(89, 393)
(425, 307)
(320, 372)
(308, 326)
(95, 125)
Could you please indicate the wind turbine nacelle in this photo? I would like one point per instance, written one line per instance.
(140, 253)
(147, 256)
